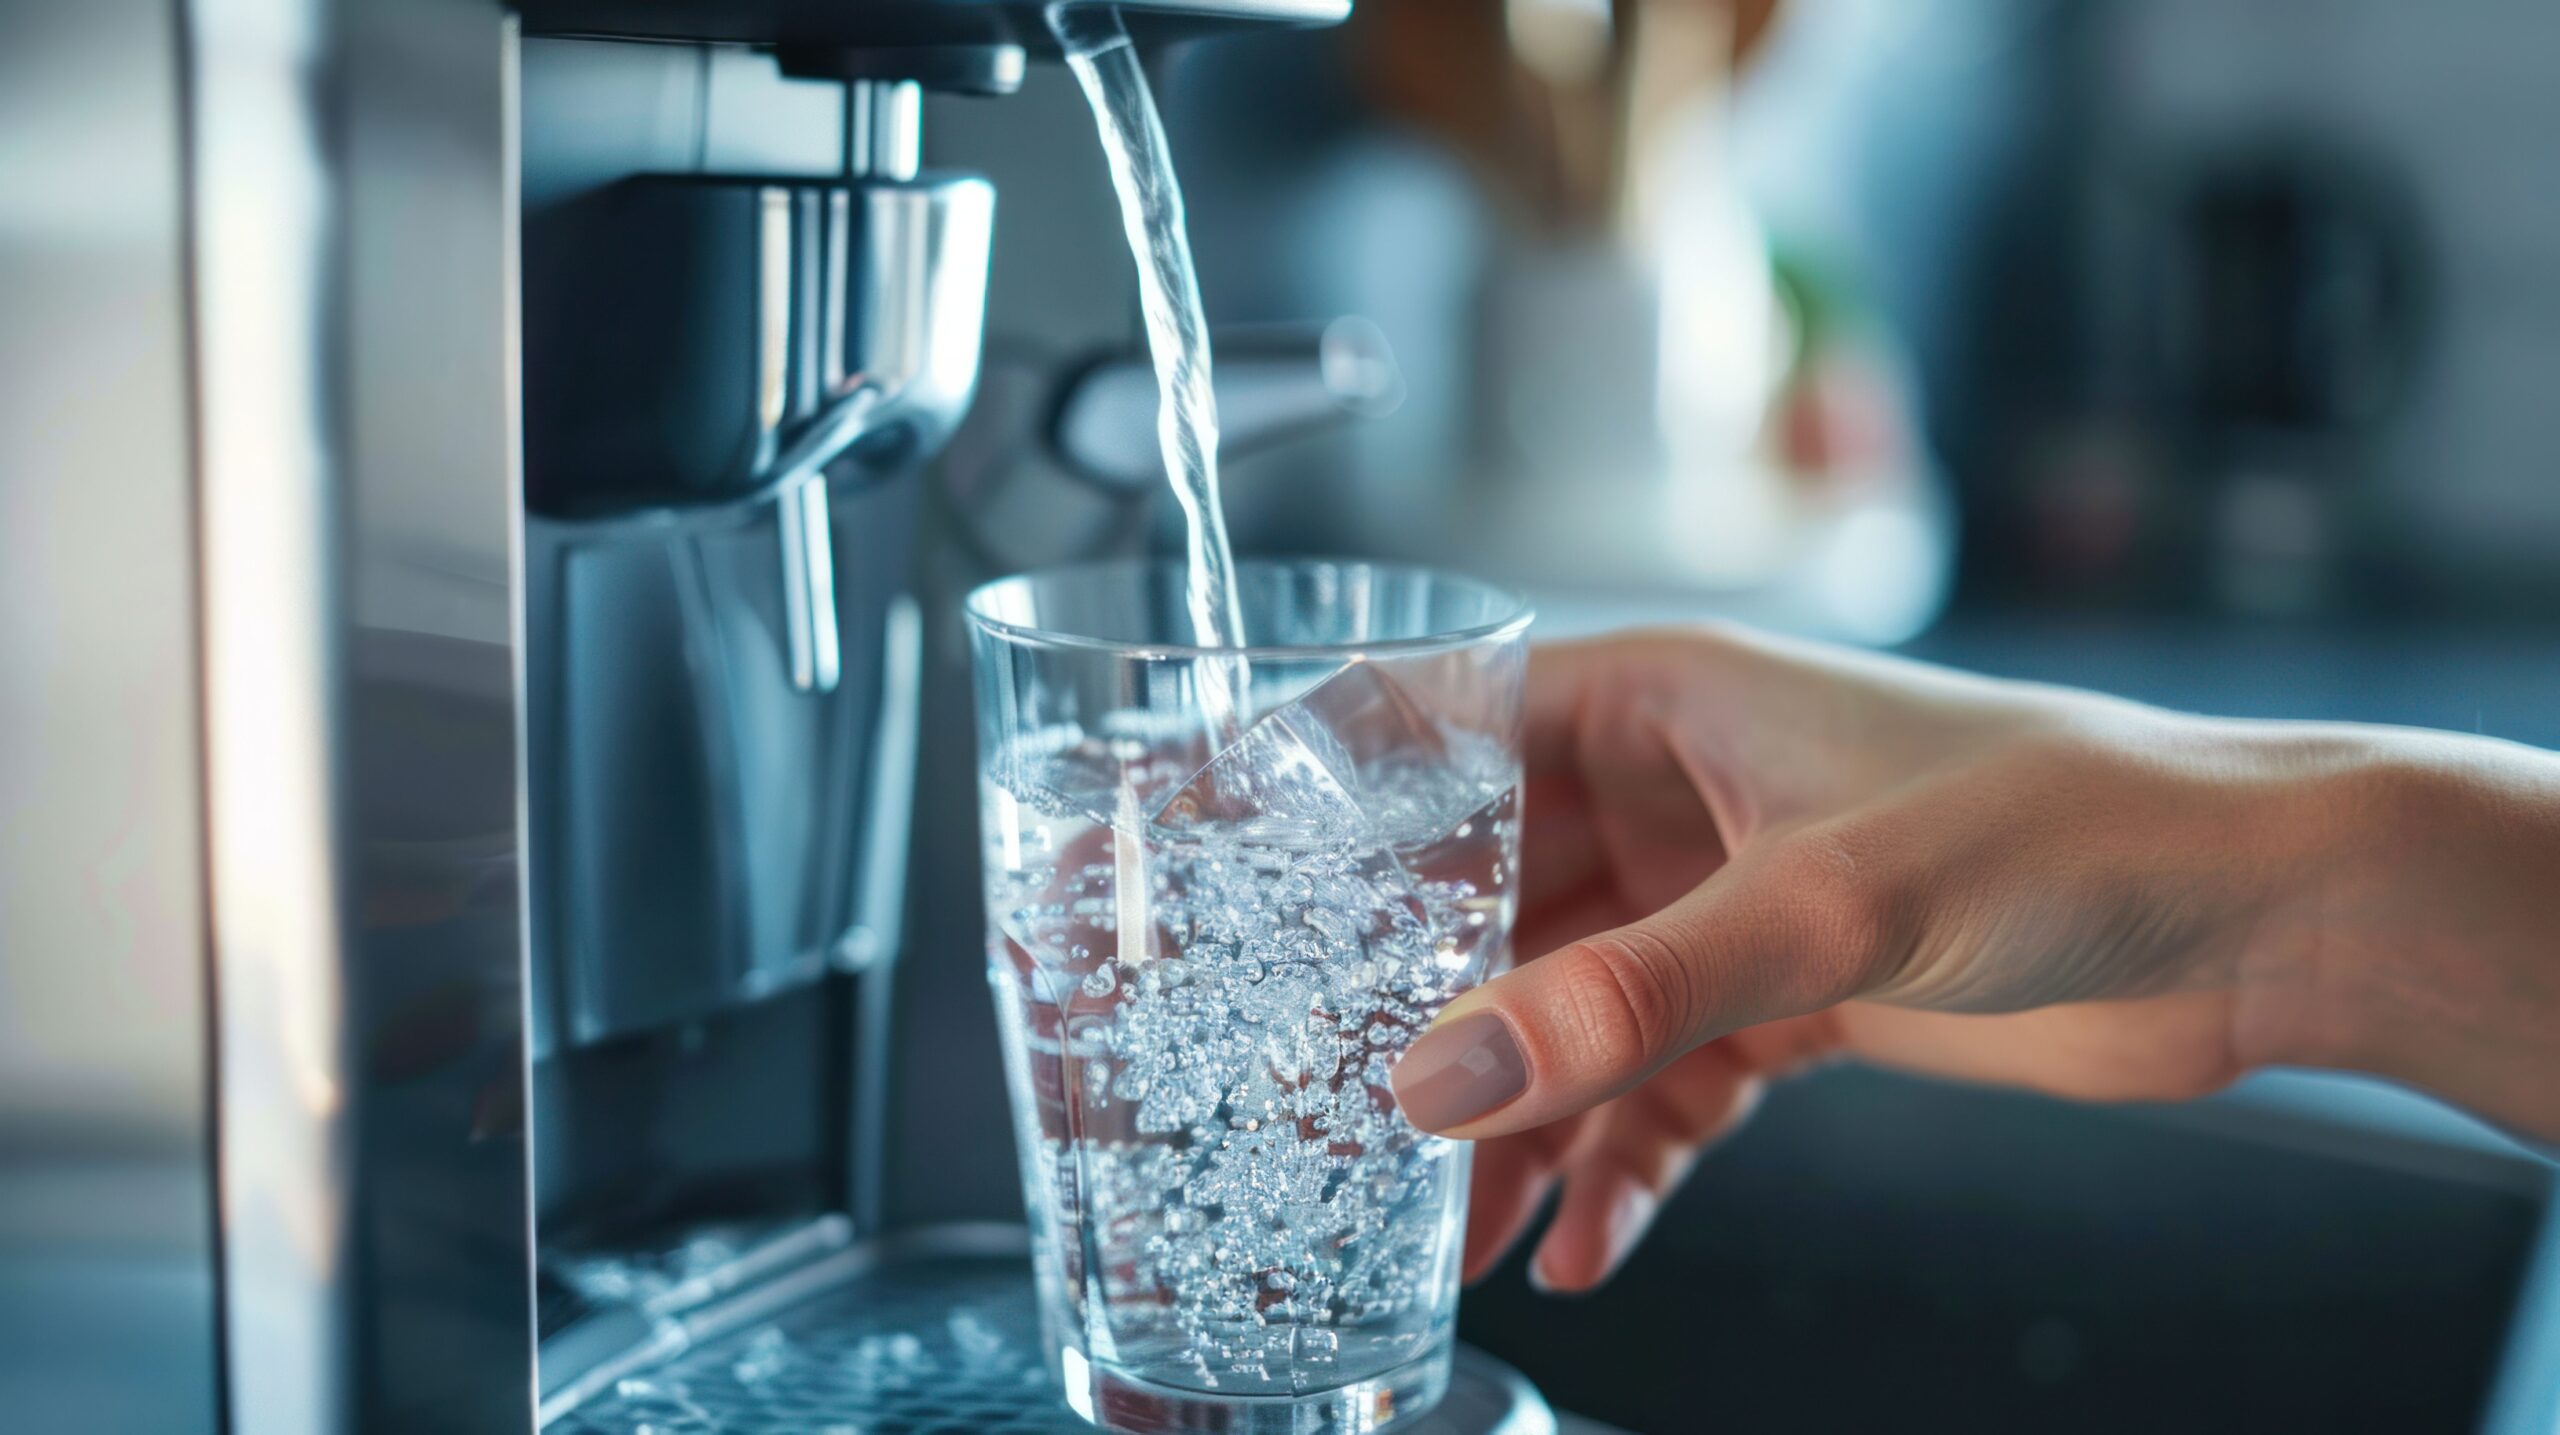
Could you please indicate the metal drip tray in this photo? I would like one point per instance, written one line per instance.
(931, 1335)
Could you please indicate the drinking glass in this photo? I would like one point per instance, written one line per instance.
(1226, 888)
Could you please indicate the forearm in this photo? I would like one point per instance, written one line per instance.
(2435, 944)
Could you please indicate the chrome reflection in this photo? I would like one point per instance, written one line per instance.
(266, 232)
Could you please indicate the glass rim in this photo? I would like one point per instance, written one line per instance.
(1517, 613)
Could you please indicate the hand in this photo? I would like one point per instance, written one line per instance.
(1743, 856)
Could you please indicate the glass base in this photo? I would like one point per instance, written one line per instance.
(1115, 1399)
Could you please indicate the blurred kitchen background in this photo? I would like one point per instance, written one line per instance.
(2200, 350)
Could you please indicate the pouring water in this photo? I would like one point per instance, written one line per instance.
(1115, 83)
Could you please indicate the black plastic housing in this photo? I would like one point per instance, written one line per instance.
(640, 315)
(896, 22)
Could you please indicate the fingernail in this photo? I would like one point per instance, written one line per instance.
(1459, 1072)
(1628, 1217)
(1621, 1226)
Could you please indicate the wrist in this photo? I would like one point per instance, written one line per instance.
(2427, 940)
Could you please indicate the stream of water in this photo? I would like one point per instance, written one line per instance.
(1106, 64)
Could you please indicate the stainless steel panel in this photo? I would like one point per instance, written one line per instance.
(354, 275)
(444, 1227)
(266, 242)
(106, 1208)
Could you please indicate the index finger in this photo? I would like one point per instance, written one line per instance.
(1571, 684)
(1564, 680)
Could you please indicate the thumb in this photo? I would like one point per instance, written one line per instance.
(1756, 942)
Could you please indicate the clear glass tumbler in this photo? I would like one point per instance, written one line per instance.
(1213, 925)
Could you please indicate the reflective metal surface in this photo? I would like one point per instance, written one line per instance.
(809, 587)
(1273, 385)
(900, 22)
(877, 352)
(711, 764)
(268, 225)
(934, 1333)
(354, 276)
(106, 1206)
(443, 1336)
(920, 292)
(883, 129)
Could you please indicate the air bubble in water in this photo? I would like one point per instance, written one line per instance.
(765, 1357)
(978, 1342)
(1259, 1209)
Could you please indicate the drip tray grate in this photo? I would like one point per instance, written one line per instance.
(929, 1344)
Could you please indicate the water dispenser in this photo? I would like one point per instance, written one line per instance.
(558, 380)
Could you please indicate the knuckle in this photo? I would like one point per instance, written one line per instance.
(1631, 994)
(1851, 910)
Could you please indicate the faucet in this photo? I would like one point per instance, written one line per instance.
(863, 297)
(897, 346)
(865, 293)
